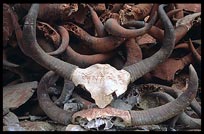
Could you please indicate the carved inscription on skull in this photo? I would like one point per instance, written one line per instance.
(101, 80)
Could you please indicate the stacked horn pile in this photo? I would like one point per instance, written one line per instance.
(148, 43)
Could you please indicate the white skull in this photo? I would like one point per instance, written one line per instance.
(94, 113)
(101, 80)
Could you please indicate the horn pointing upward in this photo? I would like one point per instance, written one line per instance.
(31, 48)
(137, 70)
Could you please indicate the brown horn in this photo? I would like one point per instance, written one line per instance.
(99, 27)
(137, 70)
(64, 41)
(115, 29)
(31, 48)
(98, 44)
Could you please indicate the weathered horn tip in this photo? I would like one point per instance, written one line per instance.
(191, 68)
(193, 73)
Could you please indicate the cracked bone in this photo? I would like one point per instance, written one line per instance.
(97, 113)
(101, 81)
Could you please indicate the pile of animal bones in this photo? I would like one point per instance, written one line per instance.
(105, 66)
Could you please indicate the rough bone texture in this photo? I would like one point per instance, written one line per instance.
(101, 80)
(94, 113)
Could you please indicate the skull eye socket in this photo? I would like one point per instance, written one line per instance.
(100, 123)
(77, 119)
(135, 93)
(114, 95)
(80, 120)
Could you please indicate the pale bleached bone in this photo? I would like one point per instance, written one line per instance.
(95, 113)
(101, 80)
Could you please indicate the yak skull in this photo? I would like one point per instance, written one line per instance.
(101, 80)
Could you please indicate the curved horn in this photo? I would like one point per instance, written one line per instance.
(98, 44)
(99, 27)
(52, 111)
(194, 51)
(184, 119)
(83, 60)
(169, 110)
(175, 93)
(31, 48)
(64, 41)
(114, 28)
(170, 14)
(137, 70)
